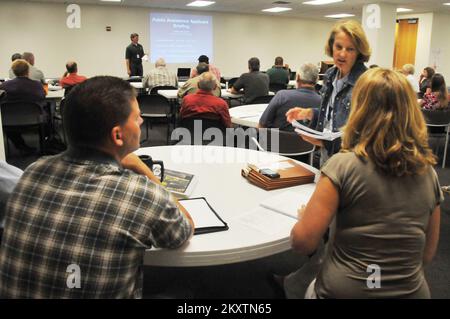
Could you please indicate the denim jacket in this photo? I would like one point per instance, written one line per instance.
(341, 107)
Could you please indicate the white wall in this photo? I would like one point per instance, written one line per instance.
(440, 45)
(41, 29)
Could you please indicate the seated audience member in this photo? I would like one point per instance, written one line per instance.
(204, 104)
(279, 73)
(35, 73)
(254, 83)
(425, 80)
(305, 96)
(408, 70)
(212, 68)
(191, 85)
(9, 176)
(14, 57)
(385, 142)
(160, 76)
(71, 77)
(82, 220)
(437, 98)
(22, 88)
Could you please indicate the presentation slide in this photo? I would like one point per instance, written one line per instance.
(180, 38)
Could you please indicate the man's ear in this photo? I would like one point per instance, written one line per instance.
(116, 136)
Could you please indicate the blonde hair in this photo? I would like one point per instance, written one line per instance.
(354, 30)
(408, 69)
(386, 124)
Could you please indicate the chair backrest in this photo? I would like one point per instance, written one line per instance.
(154, 105)
(283, 142)
(261, 99)
(155, 89)
(191, 123)
(67, 89)
(437, 117)
(275, 87)
(21, 113)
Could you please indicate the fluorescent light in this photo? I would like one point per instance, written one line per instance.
(404, 10)
(340, 15)
(200, 3)
(277, 9)
(111, 0)
(321, 2)
(446, 4)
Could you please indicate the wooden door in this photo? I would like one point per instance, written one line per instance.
(405, 42)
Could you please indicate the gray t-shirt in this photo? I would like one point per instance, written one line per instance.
(381, 220)
(254, 84)
(275, 113)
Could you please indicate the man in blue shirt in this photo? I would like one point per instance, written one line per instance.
(305, 96)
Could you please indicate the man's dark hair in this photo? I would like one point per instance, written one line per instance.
(203, 58)
(278, 60)
(72, 67)
(16, 56)
(133, 35)
(202, 67)
(253, 64)
(94, 107)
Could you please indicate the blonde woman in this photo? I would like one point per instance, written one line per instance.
(348, 46)
(384, 193)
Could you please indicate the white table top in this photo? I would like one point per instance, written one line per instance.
(57, 95)
(247, 115)
(254, 232)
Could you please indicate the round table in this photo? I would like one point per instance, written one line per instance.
(254, 232)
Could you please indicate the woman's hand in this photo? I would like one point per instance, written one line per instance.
(298, 113)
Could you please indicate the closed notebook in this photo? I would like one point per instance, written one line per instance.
(291, 174)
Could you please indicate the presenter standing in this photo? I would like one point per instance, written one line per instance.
(133, 56)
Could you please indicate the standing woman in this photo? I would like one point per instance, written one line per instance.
(349, 48)
(385, 194)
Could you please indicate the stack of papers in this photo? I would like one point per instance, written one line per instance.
(288, 203)
(307, 131)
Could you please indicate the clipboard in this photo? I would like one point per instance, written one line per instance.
(205, 217)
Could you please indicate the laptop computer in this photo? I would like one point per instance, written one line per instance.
(293, 75)
(183, 74)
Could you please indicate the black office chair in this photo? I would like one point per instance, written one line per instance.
(155, 89)
(67, 89)
(213, 132)
(231, 82)
(284, 143)
(155, 107)
(438, 122)
(275, 87)
(23, 116)
(135, 78)
(261, 99)
(58, 118)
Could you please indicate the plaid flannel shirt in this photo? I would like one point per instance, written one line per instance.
(158, 77)
(84, 210)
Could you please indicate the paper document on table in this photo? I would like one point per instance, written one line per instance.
(205, 218)
(288, 203)
(264, 221)
(307, 131)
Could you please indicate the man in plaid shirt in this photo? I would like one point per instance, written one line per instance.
(77, 224)
(160, 76)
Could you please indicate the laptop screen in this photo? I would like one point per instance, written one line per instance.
(293, 75)
(184, 72)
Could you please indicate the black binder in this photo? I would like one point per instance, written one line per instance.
(218, 225)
